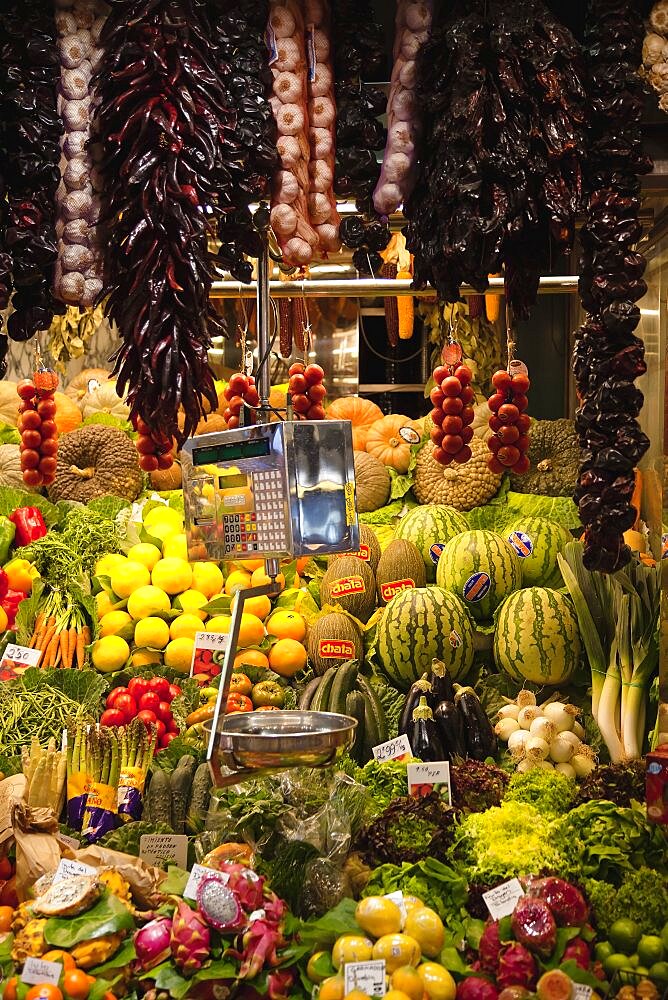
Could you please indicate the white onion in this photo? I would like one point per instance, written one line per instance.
(509, 712)
(518, 739)
(536, 748)
(543, 727)
(571, 738)
(561, 750)
(505, 728)
(526, 716)
(545, 765)
(527, 765)
(563, 716)
(525, 698)
(579, 730)
(582, 765)
(566, 769)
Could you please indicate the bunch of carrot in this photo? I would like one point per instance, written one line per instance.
(61, 634)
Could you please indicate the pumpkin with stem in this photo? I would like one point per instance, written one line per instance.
(362, 414)
(390, 439)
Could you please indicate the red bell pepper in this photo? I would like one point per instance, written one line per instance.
(10, 603)
(4, 584)
(30, 525)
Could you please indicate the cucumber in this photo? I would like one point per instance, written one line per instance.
(371, 732)
(344, 683)
(321, 697)
(308, 693)
(367, 689)
(355, 708)
(199, 800)
(158, 799)
(180, 783)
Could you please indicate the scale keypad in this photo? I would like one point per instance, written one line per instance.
(263, 530)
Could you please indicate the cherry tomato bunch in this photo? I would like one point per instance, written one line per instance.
(37, 426)
(150, 701)
(308, 392)
(155, 452)
(452, 398)
(240, 389)
(509, 443)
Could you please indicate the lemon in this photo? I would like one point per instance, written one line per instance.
(105, 564)
(396, 995)
(164, 515)
(378, 915)
(191, 601)
(186, 625)
(145, 657)
(113, 622)
(351, 948)
(407, 980)
(624, 935)
(357, 995)
(129, 576)
(219, 623)
(397, 950)
(426, 927)
(172, 575)
(153, 632)
(179, 654)
(437, 981)
(207, 578)
(110, 653)
(145, 553)
(103, 603)
(332, 988)
(312, 970)
(650, 949)
(237, 580)
(147, 601)
(157, 533)
(176, 546)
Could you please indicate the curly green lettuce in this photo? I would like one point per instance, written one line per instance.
(641, 897)
(550, 792)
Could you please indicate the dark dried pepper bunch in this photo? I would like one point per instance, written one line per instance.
(499, 182)
(248, 152)
(30, 130)
(161, 120)
(608, 356)
(409, 829)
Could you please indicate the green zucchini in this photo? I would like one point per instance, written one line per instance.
(344, 682)
(355, 708)
(371, 732)
(158, 799)
(368, 690)
(320, 699)
(199, 800)
(308, 693)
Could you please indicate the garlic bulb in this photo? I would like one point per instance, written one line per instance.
(563, 716)
(536, 748)
(517, 740)
(511, 711)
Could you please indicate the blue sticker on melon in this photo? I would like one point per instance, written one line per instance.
(521, 542)
(477, 587)
(435, 551)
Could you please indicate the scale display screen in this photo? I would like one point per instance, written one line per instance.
(231, 452)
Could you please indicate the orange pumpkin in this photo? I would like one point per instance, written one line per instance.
(68, 414)
(362, 414)
(389, 440)
(167, 479)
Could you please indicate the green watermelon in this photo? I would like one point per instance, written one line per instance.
(419, 625)
(536, 637)
(481, 568)
(537, 543)
(429, 528)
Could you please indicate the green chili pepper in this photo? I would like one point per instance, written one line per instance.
(7, 533)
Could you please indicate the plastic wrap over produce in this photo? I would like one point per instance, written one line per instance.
(289, 200)
(78, 272)
(322, 125)
(397, 176)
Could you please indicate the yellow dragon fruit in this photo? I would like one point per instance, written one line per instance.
(190, 939)
(29, 942)
(115, 883)
(88, 954)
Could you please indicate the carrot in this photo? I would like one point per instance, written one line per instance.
(46, 642)
(71, 647)
(50, 653)
(46, 633)
(64, 645)
(39, 622)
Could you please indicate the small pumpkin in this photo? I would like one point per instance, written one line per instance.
(390, 439)
(372, 482)
(213, 422)
(10, 466)
(95, 461)
(9, 403)
(85, 382)
(167, 479)
(362, 413)
(68, 414)
(104, 399)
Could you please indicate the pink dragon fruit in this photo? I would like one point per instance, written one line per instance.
(245, 884)
(190, 939)
(490, 946)
(534, 926)
(517, 967)
(153, 943)
(476, 988)
(579, 951)
(260, 944)
(279, 983)
(566, 902)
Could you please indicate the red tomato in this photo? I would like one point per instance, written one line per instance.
(167, 739)
(6, 869)
(8, 895)
(173, 727)
(174, 692)
(112, 717)
(149, 702)
(114, 694)
(126, 704)
(164, 711)
(238, 384)
(148, 718)
(314, 374)
(239, 703)
(297, 384)
(26, 389)
(160, 685)
(137, 687)
(161, 728)
(296, 369)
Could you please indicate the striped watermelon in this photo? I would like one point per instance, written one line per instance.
(418, 625)
(537, 542)
(429, 528)
(481, 568)
(536, 637)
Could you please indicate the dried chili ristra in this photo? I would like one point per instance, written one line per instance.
(160, 121)
(608, 357)
(30, 129)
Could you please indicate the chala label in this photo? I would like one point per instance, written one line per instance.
(476, 587)
(394, 587)
(335, 649)
(521, 543)
(348, 585)
(364, 553)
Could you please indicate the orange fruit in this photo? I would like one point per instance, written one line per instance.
(407, 980)
(259, 578)
(9, 992)
(287, 625)
(251, 631)
(44, 991)
(251, 564)
(6, 917)
(237, 580)
(77, 984)
(250, 658)
(287, 657)
(258, 606)
(63, 957)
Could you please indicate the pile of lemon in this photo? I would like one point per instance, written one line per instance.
(155, 578)
(407, 936)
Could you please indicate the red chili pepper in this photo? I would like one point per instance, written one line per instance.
(4, 585)
(30, 525)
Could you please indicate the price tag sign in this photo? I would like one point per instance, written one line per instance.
(36, 971)
(426, 778)
(69, 841)
(196, 875)
(70, 869)
(581, 992)
(16, 659)
(393, 750)
(164, 848)
(215, 642)
(369, 977)
(137, 512)
(502, 900)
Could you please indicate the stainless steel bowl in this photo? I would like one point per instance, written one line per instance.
(278, 740)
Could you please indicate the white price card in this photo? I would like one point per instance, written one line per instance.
(215, 641)
(70, 842)
(431, 777)
(369, 977)
(393, 749)
(36, 971)
(501, 901)
(581, 991)
(196, 875)
(70, 869)
(164, 848)
(16, 659)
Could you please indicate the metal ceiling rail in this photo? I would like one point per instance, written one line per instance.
(365, 288)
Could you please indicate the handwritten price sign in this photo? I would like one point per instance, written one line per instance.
(393, 749)
(16, 659)
(213, 641)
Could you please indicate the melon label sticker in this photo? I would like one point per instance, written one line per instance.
(37, 971)
(521, 543)
(196, 875)
(455, 639)
(364, 553)
(423, 779)
(160, 848)
(409, 435)
(394, 587)
(335, 649)
(502, 900)
(393, 750)
(368, 977)
(349, 497)
(476, 587)
(348, 585)
(435, 551)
